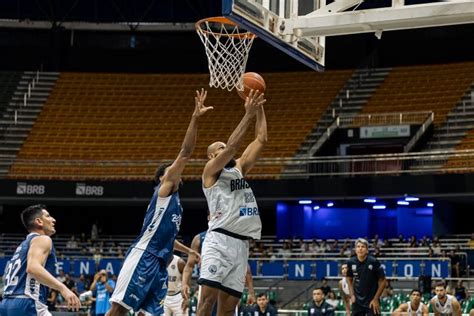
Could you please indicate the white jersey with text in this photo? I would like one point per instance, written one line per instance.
(174, 277)
(418, 311)
(446, 308)
(232, 205)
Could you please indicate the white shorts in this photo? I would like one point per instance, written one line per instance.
(173, 305)
(224, 261)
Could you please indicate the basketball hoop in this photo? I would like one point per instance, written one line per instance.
(227, 49)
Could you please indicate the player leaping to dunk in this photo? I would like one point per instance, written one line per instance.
(234, 216)
(142, 282)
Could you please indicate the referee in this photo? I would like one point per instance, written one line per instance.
(366, 281)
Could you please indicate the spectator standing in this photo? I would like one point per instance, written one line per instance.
(103, 287)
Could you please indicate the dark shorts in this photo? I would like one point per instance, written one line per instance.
(358, 310)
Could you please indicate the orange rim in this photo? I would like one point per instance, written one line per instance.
(222, 20)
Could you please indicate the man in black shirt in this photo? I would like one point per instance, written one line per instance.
(262, 308)
(319, 307)
(366, 280)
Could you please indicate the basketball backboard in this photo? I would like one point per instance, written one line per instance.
(263, 17)
(299, 27)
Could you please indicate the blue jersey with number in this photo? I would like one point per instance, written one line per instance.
(161, 225)
(20, 283)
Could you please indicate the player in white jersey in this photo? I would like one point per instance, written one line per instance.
(412, 308)
(444, 304)
(174, 303)
(344, 289)
(234, 216)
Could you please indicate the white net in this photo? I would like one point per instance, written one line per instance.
(227, 49)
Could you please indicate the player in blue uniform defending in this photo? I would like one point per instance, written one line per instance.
(30, 271)
(142, 282)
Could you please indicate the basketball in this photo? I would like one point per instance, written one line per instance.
(252, 80)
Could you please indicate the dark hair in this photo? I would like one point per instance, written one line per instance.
(318, 288)
(261, 295)
(29, 214)
(440, 283)
(160, 172)
(415, 290)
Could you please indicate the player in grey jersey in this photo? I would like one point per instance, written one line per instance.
(444, 304)
(234, 214)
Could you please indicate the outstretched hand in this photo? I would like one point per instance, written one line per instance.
(254, 101)
(200, 108)
(71, 299)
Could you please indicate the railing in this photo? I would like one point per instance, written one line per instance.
(396, 118)
(425, 118)
(423, 128)
(381, 164)
(20, 104)
(324, 137)
(27, 94)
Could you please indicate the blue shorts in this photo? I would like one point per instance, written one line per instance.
(22, 306)
(142, 283)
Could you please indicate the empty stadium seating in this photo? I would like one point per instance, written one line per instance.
(434, 88)
(142, 119)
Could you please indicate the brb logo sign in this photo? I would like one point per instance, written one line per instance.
(89, 190)
(23, 188)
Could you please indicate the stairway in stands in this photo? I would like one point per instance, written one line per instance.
(348, 103)
(14, 133)
(459, 121)
(449, 134)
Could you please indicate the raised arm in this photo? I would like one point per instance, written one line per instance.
(172, 177)
(188, 269)
(40, 248)
(255, 148)
(215, 165)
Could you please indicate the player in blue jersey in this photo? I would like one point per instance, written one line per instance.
(142, 282)
(30, 271)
